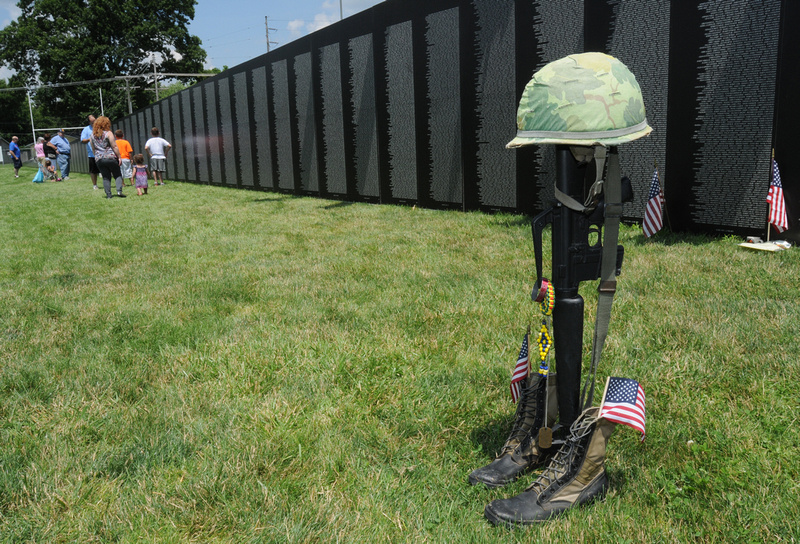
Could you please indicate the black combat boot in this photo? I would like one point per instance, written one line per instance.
(521, 451)
(574, 476)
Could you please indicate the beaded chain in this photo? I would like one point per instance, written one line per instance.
(546, 300)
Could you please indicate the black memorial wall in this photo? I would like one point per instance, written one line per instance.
(413, 103)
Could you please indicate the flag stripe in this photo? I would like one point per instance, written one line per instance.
(519, 374)
(515, 392)
(777, 203)
(653, 214)
(627, 415)
(521, 370)
(624, 403)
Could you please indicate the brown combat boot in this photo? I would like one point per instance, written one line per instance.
(521, 451)
(574, 476)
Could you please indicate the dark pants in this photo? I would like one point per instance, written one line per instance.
(109, 168)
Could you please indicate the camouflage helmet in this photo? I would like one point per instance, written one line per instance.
(585, 100)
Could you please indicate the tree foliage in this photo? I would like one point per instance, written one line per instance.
(14, 114)
(66, 41)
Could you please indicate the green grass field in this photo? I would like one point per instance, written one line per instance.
(215, 365)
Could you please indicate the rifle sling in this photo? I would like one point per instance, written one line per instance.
(608, 269)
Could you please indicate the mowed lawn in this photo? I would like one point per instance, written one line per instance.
(205, 364)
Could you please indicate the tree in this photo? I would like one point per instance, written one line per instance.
(14, 114)
(64, 41)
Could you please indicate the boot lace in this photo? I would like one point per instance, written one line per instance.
(529, 417)
(566, 459)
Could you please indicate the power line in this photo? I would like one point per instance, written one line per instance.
(237, 31)
(210, 47)
(158, 75)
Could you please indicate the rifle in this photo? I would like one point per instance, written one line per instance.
(576, 257)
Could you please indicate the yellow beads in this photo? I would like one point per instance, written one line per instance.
(544, 342)
(547, 303)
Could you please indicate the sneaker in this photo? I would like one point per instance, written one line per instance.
(66, 178)
(120, 195)
(96, 187)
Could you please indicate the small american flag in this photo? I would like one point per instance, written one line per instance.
(521, 370)
(653, 218)
(777, 205)
(624, 403)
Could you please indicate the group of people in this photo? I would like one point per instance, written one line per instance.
(111, 156)
(52, 153)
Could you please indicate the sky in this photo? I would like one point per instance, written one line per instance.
(234, 31)
(234, 36)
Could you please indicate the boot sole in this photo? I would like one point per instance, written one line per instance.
(498, 521)
(495, 519)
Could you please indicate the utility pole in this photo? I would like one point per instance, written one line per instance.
(340, 10)
(30, 107)
(128, 93)
(155, 75)
(266, 22)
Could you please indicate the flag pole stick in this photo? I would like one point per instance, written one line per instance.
(770, 178)
(666, 210)
(605, 391)
(530, 347)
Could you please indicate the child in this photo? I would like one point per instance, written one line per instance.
(51, 153)
(140, 174)
(157, 149)
(50, 171)
(39, 147)
(125, 154)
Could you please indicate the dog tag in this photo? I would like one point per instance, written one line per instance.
(545, 437)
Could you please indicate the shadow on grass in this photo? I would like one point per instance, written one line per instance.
(618, 478)
(339, 204)
(275, 197)
(670, 238)
(282, 197)
(513, 220)
(677, 239)
(490, 437)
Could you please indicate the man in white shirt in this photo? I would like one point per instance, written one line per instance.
(157, 149)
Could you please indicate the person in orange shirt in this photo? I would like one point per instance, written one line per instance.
(125, 154)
